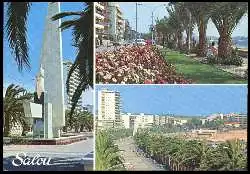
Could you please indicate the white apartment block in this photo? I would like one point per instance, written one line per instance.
(116, 21)
(144, 121)
(74, 82)
(128, 120)
(109, 108)
(136, 121)
(99, 18)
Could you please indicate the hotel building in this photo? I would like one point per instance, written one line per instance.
(73, 83)
(109, 108)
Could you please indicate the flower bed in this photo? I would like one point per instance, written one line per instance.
(135, 65)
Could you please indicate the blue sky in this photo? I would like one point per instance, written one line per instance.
(36, 25)
(189, 100)
(145, 12)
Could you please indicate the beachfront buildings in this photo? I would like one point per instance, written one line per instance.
(236, 120)
(73, 83)
(128, 120)
(231, 119)
(148, 120)
(109, 108)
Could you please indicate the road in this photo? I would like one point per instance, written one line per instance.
(105, 48)
(63, 157)
(134, 161)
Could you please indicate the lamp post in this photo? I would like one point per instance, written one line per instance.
(136, 4)
(152, 17)
(189, 31)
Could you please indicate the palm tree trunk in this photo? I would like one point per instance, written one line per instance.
(202, 38)
(6, 127)
(163, 39)
(187, 38)
(225, 45)
(179, 37)
(175, 40)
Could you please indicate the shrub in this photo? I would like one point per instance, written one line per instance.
(194, 50)
(19, 140)
(246, 74)
(233, 60)
(170, 45)
(212, 60)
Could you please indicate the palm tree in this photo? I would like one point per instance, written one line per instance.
(201, 13)
(176, 22)
(162, 30)
(16, 32)
(88, 120)
(13, 107)
(183, 14)
(107, 154)
(234, 151)
(226, 16)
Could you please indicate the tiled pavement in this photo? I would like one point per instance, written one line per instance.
(132, 160)
(63, 157)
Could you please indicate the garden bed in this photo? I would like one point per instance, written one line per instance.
(200, 73)
(136, 65)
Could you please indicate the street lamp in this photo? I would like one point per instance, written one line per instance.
(152, 25)
(136, 4)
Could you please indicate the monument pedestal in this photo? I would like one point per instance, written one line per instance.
(48, 132)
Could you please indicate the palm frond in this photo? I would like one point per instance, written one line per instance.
(83, 40)
(65, 14)
(16, 30)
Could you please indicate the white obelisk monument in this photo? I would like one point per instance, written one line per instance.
(52, 66)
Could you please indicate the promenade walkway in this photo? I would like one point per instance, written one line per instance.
(132, 160)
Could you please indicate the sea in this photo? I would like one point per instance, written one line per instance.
(241, 46)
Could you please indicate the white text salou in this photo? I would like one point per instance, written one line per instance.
(27, 161)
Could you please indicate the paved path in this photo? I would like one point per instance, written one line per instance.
(63, 157)
(132, 160)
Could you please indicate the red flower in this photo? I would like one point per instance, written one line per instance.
(148, 82)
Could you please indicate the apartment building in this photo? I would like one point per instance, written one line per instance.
(73, 83)
(99, 18)
(240, 119)
(116, 27)
(128, 120)
(109, 108)
(109, 22)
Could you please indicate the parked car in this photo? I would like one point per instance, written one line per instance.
(150, 42)
(139, 42)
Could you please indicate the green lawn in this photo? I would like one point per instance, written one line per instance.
(200, 73)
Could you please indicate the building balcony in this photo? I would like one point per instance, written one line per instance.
(119, 21)
(99, 16)
(99, 26)
(119, 15)
(99, 6)
(118, 9)
(102, 3)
